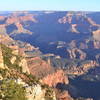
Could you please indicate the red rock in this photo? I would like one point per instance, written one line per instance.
(64, 95)
(55, 78)
(39, 67)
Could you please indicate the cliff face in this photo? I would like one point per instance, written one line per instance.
(15, 20)
(24, 65)
(63, 95)
(80, 27)
(46, 72)
(76, 53)
(36, 92)
(55, 78)
(8, 56)
(72, 17)
(66, 19)
(96, 35)
(16, 73)
(39, 67)
(82, 69)
(1, 59)
(5, 39)
(75, 36)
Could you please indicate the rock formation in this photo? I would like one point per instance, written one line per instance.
(63, 95)
(24, 66)
(34, 89)
(82, 69)
(39, 67)
(57, 77)
(1, 59)
(96, 35)
(76, 53)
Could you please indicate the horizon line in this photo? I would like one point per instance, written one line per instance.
(50, 10)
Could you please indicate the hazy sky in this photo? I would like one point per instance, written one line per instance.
(86, 5)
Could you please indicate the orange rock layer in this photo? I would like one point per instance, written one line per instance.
(55, 78)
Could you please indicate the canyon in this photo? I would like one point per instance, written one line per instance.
(59, 50)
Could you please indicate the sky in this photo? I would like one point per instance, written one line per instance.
(56, 5)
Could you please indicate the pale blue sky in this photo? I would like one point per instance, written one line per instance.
(75, 5)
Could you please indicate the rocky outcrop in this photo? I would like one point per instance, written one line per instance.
(1, 59)
(2, 28)
(82, 69)
(13, 59)
(39, 67)
(34, 89)
(63, 95)
(46, 72)
(15, 49)
(74, 29)
(96, 44)
(20, 29)
(96, 35)
(15, 18)
(5, 39)
(24, 66)
(35, 93)
(18, 20)
(66, 19)
(76, 53)
(57, 77)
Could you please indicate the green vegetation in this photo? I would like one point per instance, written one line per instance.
(7, 55)
(32, 79)
(9, 90)
(49, 94)
(3, 72)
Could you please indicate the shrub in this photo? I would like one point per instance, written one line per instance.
(9, 90)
